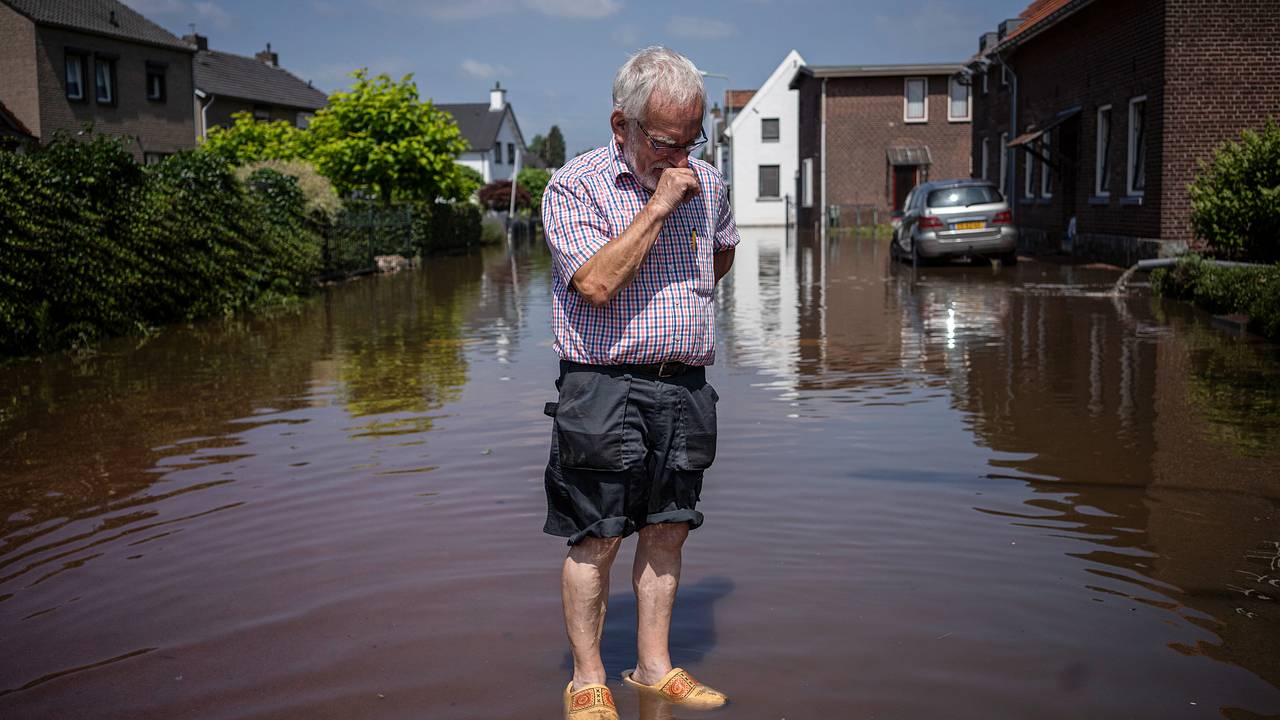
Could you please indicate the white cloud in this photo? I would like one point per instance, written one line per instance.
(694, 28)
(204, 13)
(483, 70)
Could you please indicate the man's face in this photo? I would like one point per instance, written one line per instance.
(666, 123)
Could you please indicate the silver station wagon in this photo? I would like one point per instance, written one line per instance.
(955, 219)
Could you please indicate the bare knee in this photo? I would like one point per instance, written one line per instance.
(670, 536)
(594, 550)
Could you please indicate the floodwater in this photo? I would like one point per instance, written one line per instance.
(951, 493)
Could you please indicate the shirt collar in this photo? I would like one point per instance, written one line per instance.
(618, 162)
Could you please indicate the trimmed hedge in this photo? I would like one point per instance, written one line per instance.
(94, 245)
(1252, 291)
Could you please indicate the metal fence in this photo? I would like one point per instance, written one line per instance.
(360, 234)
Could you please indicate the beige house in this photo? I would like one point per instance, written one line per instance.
(226, 84)
(73, 64)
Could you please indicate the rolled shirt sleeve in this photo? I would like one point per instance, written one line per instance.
(575, 227)
(727, 236)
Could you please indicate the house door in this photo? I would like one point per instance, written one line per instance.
(904, 179)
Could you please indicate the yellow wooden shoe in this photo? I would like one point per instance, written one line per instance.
(679, 688)
(593, 702)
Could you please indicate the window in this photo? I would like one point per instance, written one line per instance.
(511, 153)
(155, 82)
(986, 157)
(104, 76)
(261, 113)
(769, 181)
(304, 119)
(806, 182)
(958, 101)
(497, 154)
(1102, 160)
(154, 158)
(1137, 174)
(1004, 162)
(963, 196)
(769, 130)
(1028, 174)
(985, 74)
(915, 100)
(75, 76)
(1046, 174)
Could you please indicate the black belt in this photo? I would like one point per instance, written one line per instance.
(666, 369)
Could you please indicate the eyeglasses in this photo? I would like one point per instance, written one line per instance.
(662, 148)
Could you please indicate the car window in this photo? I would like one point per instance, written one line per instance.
(964, 195)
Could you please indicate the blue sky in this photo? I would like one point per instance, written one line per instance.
(557, 57)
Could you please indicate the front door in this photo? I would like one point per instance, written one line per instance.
(904, 178)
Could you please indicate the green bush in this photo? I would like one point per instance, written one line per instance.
(94, 245)
(1235, 202)
(535, 181)
(446, 228)
(322, 202)
(1252, 291)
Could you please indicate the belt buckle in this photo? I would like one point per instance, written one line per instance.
(662, 367)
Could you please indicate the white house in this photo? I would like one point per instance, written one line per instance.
(765, 149)
(492, 133)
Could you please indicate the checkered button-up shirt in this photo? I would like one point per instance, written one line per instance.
(665, 312)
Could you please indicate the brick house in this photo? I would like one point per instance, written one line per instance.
(226, 84)
(868, 134)
(1114, 106)
(68, 64)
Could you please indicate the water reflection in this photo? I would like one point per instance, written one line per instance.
(1142, 433)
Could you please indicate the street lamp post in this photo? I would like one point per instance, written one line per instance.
(704, 73)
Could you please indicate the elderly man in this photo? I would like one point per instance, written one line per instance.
(639, 233)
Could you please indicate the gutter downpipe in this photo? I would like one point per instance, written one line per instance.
(1010, 153)
(204, 117)
(822, 218)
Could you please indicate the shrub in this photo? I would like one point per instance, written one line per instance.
(1252, 291)
(446, 227)
(249, 140)
(1235, 202)
(535, 181)
(469, 180)
(322, 202)
(497, 196)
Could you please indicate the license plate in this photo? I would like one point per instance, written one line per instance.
(971, 225)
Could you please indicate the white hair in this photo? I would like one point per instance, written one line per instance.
(660, 70)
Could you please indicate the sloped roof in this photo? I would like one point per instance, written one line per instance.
(478, 124)
(1039, 16)
(11, 121)
(219, 73)
(737, 99)
(96, 16)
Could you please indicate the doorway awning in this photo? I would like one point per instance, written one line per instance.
(916, 155)
(1054, 122)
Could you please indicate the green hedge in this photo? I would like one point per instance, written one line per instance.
(94, 245)
(1235, 201)
(1252, 291)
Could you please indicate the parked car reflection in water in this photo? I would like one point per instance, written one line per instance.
(955, 219)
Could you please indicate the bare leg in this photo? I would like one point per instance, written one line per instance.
(584, 586)
(655, 577)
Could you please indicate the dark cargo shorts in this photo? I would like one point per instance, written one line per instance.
(627, 450)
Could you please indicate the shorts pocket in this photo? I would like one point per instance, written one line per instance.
(589, 421)
(698, 429)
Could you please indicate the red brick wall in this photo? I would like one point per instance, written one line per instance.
(865, 118)
(1222, 76)
(164, 127)
(1105, 54)
(18, 68)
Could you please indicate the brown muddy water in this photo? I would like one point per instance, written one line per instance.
(952, 493)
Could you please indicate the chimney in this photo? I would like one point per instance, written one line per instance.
(1008, 26)
(268, 57)
(988, 41)
(497, 98)
(201, 42)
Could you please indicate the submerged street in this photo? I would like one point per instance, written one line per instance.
(951, 492)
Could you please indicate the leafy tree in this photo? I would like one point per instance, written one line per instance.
(1235, 202)
(535, 181)
(470, 179)
(249, 141)
(554, 153)
(379, 137)
(538, 148)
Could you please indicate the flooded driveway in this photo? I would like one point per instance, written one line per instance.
(951, 493)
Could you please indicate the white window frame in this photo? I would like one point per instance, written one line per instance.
(1004, 164)
(985, 75)
(1046, 146)
(1101, 154)
(78, 59)
(1133, 148)
(986, 158)
(806, 182)
(906, 100)
(952, 83)
(1028, 174)
(104, 71)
